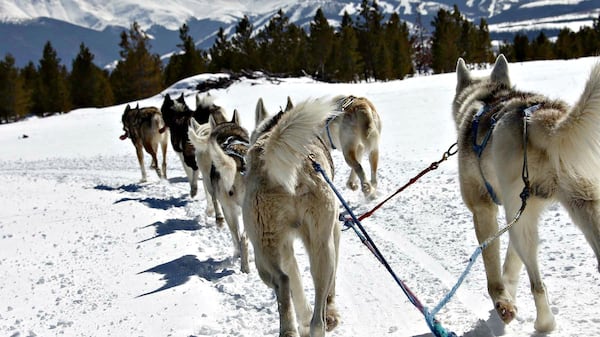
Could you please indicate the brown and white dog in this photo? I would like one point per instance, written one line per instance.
(285, 199)
(145, 128)
(504, 133)
(356, 131)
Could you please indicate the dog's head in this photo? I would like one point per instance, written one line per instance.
(174, 111)
(128, 119)
(498, 76)
(206, 107)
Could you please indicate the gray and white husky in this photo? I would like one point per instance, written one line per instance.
(355, 132)
(506, 137)
(287, 199)
(224, 145)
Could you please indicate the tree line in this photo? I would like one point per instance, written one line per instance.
(366, 47)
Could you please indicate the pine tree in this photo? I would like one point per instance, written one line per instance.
(14, 98)
(567, 45)
(278, 45)
(521, 47)
(189, 62)
(370, 35)
(221, 53)
(52, 91)
(541, 48)
(89, 84)
(245, 49)
(31, 79)
(445, 42)
(349, 61)
(320, 42)
(139, 73)
(400, 47)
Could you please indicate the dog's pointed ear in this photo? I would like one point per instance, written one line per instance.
(289, 106)
(463, 76)
(168, 99)
(212, 121)
(137, 106)
(500, 71)
(260, 113)
(127, 108)
(236, 117)
(194, 123)
(181, 99)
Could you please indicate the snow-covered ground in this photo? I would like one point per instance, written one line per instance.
(86, 250)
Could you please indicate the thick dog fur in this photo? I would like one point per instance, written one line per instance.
(178, 116)
(563, 161)
(225, 144)
(286, 198)
(145, 128)
(356, 132)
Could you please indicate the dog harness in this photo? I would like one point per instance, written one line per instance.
(229, 147)
(342, 103)
(478, 148)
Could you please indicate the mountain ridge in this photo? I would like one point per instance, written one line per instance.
(26, 25)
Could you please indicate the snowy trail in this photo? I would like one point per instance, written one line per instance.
(86, 250)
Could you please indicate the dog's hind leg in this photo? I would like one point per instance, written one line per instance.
(524, 239)
(585, 212)
(140, 156)
(301, 305)
(268, 264)
(374, 162)
(322, 255)
(163, 146)
(240, 246)
(352, 155)
(332, 317)
(152, 149)
(484, 217)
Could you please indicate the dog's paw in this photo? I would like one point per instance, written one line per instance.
(352, 185)
(332, 319)
(545, 324)
(506, 310)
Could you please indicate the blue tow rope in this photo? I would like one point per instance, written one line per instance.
(434, 325)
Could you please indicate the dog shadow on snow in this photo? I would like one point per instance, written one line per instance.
(157, 203)
(181, 270)
(171, 226)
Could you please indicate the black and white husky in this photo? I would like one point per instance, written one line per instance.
(178, 116)
(506, 137)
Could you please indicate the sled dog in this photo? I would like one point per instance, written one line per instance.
(177, 116)
(506, 135)
(287, 198)
(225, 145)
(145, 128)
(355, 131)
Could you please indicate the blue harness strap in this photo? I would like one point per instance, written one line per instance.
(329, 120)
(478, 148)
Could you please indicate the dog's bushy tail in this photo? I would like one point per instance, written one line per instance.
(576, 136)
(199, 134)
(285, 150)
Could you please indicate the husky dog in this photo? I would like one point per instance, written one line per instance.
(225, 145)
(356, 131)
(561, 161)
(177, 116)
(287, 198)
(145, 128)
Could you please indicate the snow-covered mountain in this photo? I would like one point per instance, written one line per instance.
(25, 25)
